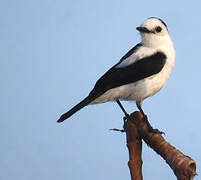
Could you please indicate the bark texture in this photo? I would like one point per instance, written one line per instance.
(184, 167)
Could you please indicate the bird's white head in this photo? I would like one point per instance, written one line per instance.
(154, 33)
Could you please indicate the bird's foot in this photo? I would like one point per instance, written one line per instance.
(150, 128)
(155, 131)
(125, 125)
(116, 129)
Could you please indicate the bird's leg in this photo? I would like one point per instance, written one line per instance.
(151, 129)
(126, 118)
(122, 108)
(139, 104)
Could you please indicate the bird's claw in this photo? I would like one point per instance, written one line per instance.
(150, 128)
(155, 131)
(119, 130)
(126, 119)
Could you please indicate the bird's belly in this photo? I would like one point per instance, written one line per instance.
(138, 90)
(147, 87)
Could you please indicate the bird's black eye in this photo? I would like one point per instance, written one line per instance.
(158, 29)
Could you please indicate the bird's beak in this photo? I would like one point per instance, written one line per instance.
(143, 29)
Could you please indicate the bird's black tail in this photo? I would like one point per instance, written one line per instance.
(76, 108)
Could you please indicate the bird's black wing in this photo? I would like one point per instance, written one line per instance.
(118, 76)
(97, 91)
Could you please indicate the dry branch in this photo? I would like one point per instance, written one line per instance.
(183, 166)
(134, 144)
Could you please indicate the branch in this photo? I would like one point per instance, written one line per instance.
(183, 166)
(134, 144)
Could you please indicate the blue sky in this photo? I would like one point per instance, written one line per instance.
(52, 53)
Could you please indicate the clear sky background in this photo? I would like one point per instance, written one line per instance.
(52, 53)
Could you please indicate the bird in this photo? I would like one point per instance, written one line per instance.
(139, 74)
